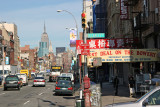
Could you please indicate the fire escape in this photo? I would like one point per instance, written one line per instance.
(142, 20)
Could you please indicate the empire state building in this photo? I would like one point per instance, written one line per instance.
(44, 44)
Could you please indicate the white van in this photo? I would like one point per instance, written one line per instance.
(24, 78)
(69, 75)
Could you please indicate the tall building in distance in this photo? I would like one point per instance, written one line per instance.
(44, 44)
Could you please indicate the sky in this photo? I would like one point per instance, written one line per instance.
(30, 15)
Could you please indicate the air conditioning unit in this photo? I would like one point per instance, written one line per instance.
(156, 10)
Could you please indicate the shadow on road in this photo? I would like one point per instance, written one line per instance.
(51, 103)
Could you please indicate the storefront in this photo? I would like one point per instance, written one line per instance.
(123, 62)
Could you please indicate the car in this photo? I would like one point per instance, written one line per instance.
(40, 75)
(64, 87)
(70, 75)
(39, 81)
(63, 78)
(32, 76)
(23, 77)
(150, 99)
(12, 81)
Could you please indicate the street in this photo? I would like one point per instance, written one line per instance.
(30, 96)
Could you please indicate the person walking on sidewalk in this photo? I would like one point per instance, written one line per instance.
(131, 86)
(116, 82)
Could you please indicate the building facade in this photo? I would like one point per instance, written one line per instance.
(10, 27)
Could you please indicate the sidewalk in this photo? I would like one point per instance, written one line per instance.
(108, 94)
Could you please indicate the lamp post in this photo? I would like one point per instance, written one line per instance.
(73, 18)
(77, 38)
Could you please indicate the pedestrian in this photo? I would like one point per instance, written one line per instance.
(131, 86)
(116, 82)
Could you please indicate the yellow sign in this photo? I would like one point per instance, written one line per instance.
(56, 67)
(124, 55)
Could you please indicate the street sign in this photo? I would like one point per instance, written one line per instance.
(96, 35)
(97, 61)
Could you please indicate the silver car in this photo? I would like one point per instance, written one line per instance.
(39, 81)
(150, 99)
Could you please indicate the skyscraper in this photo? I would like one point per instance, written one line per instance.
(44, 44)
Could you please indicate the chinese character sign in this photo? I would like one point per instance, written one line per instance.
(107, 43)
(73, 38)
(123, 10)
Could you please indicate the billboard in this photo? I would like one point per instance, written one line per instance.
(7, 60)
(124, 55)
(73, 37)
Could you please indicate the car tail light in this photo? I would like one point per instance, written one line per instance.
(43, 80)
(4, 82)
(35, 80)
(70, 88)
(58, 88)
(56, 82)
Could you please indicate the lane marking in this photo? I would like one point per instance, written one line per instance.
(40, 93)
(26, 102)
(2, 93)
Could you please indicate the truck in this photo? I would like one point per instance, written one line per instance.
(8, 69)
(54, 73)
(24, 71)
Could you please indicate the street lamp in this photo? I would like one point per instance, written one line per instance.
(73, 18)
(77, 37)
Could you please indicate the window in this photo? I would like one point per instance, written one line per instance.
(154, 99)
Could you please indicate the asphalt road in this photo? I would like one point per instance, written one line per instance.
(30, 96)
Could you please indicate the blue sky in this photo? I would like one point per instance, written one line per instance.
(29, 16)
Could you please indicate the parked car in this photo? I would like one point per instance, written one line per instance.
(63, 78)
(39, 81)
(69, 75)
(150, 99)
(24, 78)
(12, 81)
(64, 87)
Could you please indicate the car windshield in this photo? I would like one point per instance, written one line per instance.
(144, 96)
(5, 72)
(64, 78)
(39, 78)
(11, 78)
(60, 83)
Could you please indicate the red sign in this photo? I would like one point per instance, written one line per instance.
(123, 10)
(107, 43)
(85, 49)
(78, 46)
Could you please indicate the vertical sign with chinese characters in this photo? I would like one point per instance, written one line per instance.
(123, 10)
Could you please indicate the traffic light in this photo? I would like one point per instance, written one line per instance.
(18, 58)
(84, 21)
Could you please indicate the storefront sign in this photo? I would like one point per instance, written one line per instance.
(108, 43)
(123, 10)
(124, 55)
